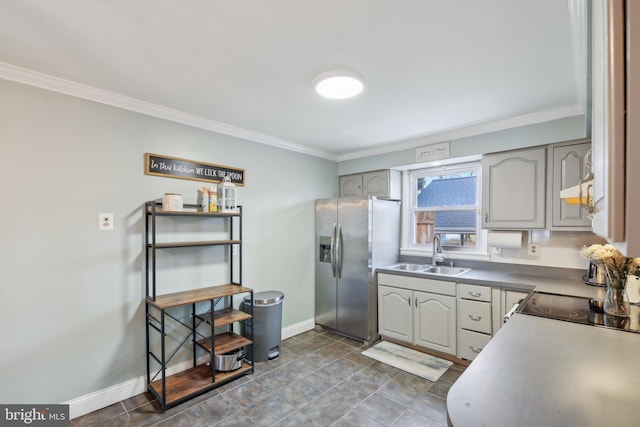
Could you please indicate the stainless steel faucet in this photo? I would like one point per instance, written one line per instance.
(437, 250)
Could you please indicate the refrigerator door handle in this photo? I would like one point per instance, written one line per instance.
(332, 250)
(339, 251)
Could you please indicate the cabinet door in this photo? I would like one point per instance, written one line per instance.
(375, 184)
(435, 321)
(350, 185)
(567, 169)
(511, 298)
(395, 313)
(607, 129)
(513, 189)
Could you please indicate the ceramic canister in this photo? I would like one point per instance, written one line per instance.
(172, 202)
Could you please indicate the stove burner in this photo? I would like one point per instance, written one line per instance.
(563, 308)
(566, 312)
(578, 310)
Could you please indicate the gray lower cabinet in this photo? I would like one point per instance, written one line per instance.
(510, 298)
(513, 189)
(476, 314)
(418, 311)
(453, 318)
(566, 169)
(395, 315)
(433, 309)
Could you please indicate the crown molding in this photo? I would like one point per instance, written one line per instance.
(67, 87)
(467, 131)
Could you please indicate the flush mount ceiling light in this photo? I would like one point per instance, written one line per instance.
(338, 84)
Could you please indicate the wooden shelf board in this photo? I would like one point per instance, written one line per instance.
(225, 342)
(189, 210)
(194, 381)
(193, 296)
(191, 244)
(225, 316)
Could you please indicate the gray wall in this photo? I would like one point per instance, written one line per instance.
(72, 312)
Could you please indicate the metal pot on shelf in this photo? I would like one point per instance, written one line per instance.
(229, 361)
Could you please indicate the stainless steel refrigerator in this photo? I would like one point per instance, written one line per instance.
(354, 235)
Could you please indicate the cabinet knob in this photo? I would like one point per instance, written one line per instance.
(475, 349)
(475, 318)
(486, 217)
(475, 294)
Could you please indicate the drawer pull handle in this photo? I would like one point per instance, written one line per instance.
(475, 318)
(475, 294)
(475, 349)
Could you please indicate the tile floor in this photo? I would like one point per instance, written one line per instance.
(320, 379)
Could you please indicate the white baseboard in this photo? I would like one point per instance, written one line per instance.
(108, 396)
(298, 328)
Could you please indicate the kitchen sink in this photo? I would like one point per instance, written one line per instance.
(406, 266)
(431, 269)
(445, 271)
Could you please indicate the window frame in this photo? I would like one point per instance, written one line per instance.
(410, 208)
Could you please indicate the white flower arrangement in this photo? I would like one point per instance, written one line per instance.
(616, 265)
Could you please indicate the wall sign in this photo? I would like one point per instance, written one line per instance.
(432, 152)
(174, 167)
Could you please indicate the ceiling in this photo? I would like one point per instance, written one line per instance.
(245, 68)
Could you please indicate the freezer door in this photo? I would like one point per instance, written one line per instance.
(326, 282)
(385, 233)
(353, 293)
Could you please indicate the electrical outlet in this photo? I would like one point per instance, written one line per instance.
(495, 251)
(105, 221)
(534, 250)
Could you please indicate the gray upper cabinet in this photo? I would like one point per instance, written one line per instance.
(384, 184)
(513, 189)
(351, 185)
(566, 168)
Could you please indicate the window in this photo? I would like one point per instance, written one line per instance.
(445, 201)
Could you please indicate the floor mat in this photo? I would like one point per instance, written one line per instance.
(412, 361)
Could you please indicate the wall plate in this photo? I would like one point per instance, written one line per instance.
(105, 221)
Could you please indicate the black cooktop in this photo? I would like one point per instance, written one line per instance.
(587, 311)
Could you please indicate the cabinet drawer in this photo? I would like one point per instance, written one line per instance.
(475, 316)
(471, 343)
(480, 293)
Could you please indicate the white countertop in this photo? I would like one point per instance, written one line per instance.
(545, 372)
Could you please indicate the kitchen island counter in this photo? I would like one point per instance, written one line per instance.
(544, 372)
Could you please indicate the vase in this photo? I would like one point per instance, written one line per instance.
(616, 300)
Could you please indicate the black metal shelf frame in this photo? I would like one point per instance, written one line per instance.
(157, 323)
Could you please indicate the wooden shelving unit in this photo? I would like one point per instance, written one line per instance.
(172, 389)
